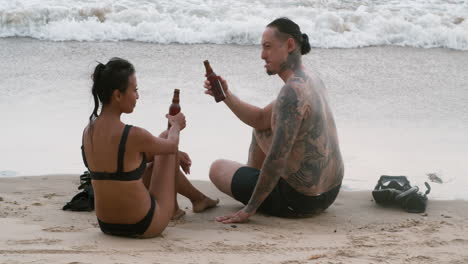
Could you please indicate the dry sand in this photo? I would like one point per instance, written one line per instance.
(354, 229)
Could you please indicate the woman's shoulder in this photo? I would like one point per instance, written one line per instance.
(139, 134)
(85, 129)
(138, 131)
(84, 132)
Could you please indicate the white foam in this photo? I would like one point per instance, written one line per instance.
(330, 24)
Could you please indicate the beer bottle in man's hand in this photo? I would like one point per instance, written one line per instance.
(174, 109)
(216, 86)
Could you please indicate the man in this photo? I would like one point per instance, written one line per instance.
(295, 167)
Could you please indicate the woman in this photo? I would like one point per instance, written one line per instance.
(135, 175)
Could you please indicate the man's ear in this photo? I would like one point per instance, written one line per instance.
(291, 45)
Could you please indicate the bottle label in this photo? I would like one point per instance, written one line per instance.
(220, 88)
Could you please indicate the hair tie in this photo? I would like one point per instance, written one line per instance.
(305, 38)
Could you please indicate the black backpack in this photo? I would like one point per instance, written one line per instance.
(84, 200)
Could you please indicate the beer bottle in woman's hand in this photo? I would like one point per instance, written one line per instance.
(174, 109)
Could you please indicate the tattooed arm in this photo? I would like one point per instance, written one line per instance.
(288, 121)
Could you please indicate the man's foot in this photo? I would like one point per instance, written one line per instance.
(178, 214)
(203, 204)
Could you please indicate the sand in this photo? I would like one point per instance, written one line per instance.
(354, 229)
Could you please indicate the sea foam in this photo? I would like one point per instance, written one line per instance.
(329, 24)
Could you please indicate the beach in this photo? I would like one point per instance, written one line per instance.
(353, 230)
(396, 78)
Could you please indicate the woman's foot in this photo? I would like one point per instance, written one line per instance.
(178, 214)
(203, 204)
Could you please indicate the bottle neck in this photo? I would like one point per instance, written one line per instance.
(175, 97)
(208, 68)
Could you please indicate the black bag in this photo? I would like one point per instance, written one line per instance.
(397, 190)
(83, 201)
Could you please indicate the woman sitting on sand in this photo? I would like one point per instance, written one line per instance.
(135, 175)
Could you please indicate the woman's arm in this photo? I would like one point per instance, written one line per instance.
(167, 143)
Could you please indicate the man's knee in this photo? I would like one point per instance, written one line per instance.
(216, 170)
(221, 173)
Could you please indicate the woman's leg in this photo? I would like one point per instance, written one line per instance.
(146, 177)
(200, 202)
(178, 213)
(162, 188)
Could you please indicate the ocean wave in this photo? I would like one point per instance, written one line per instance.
(329, 24)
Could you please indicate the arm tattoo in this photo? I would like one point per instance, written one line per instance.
(288, 123)
(264, 134)
(253, 145)
(256, 152)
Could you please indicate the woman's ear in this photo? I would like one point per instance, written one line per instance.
(117, 95)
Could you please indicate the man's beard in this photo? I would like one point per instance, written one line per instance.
(283, 67)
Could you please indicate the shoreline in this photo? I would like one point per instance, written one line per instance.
(353, 230)
(399, 111)
(23, 38)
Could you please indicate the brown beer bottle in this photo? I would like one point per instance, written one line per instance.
(216, 86)
(174, 109)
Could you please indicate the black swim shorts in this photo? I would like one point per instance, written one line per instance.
(283, 201)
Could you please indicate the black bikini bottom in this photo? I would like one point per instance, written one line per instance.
(129, 230)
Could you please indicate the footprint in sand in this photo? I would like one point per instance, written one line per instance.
(60, 229)
(49, 195)
(459, 241)
(34, 241)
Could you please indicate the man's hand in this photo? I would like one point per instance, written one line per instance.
(240, 217)
(224, 85)
(185, 162)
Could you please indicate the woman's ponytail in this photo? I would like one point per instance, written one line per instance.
(95, 89)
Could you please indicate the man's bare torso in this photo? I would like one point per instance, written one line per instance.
(315, 164)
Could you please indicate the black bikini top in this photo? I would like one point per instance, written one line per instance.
(120, 175)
